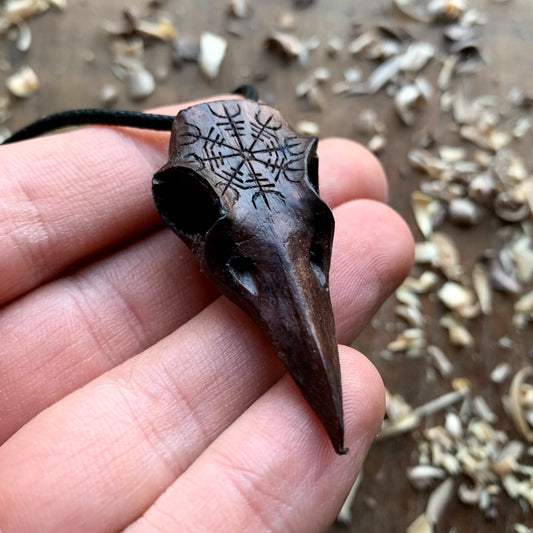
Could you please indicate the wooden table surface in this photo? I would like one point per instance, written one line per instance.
(70, 53)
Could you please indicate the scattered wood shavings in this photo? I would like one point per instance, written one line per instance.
(412, 341)
(475, 178)
(470, 446)
(402, 418)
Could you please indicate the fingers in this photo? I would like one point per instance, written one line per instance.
(355, 172)
(122, 304)
(64, 334)
(142, 424)
(70, 196)
(377, 255)
(276, 464)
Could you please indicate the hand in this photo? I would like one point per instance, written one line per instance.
(131, 395)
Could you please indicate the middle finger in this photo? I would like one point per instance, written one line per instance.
(126, 436)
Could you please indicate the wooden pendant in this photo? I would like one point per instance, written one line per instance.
(241, 190)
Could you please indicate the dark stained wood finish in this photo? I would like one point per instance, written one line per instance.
(241, 190)
(386, 502)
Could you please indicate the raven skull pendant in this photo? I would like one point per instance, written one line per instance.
(241, 190)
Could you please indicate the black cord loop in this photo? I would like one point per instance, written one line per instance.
(107, 117)
(81, 117)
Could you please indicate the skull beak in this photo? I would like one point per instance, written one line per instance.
(304, 338)
(290, 302)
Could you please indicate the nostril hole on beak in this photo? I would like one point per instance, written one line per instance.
(243, 270)
(316, 258)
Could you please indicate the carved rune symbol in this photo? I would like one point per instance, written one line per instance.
(248, 155)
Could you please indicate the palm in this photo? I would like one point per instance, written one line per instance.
(131, 394)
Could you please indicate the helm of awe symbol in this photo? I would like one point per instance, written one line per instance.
(245, 153)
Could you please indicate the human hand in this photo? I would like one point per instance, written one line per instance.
(131, 395)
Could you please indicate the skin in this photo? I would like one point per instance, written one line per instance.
(132, 396)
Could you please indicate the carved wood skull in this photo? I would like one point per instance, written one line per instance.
(241, 190)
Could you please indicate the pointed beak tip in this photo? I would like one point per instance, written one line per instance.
(338, 443)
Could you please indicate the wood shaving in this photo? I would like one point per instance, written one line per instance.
(500, 372)
(23, 83)
(239, 8)
(426, 210)
(345, 514)
(424, 476)
(13, 11)
(185, 50)
(438, 500)
(464, 212)
(24, 37)
(518, 399)
(441, 362)
(458, 333)
(108, 95)
(482, 287)
(459, 298)
(420, 525)
(308, 127)
(426, 282)
(212, 53)
(284, 44)
(141, 83)
(448, 258)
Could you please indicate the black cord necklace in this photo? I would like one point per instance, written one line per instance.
(107, 117)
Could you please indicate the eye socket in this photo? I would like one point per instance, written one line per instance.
(184, 203)
(243, 270)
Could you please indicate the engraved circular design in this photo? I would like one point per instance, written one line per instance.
(247, 155)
